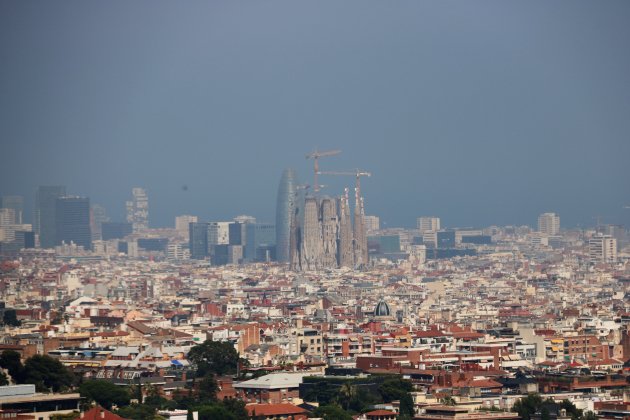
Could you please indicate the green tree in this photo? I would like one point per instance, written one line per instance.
(321, 393)
(215, 411)
(526, 407)
(10, 318)
(69, 416)
(138, 412)
(448, 401)
(105, 393)
(572, 410)
(215, 357)
(394, 389)
(407, 406)
(47, 373)
(4, 379)
(155, 400)
(363, 399)
(347, 393)
(236, 407)
(208, 388)
(589, 415)
(544, 413)
(11, 361)
(331, 412)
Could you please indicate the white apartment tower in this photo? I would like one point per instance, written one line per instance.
(218, 233)
(138, 210)
(602, 249)
(549, 224)
(182, 224)
(372, 223)
(428, 224)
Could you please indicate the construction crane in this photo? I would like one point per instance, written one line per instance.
(356, 173)
(315, 156)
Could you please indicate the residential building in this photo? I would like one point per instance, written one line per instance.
(602, 248)
(138, 210)
(428, 224)
(549, 224)
(372, 223)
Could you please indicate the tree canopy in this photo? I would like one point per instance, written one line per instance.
(11, 361)
(215, 357)
(44, 372)
(10, 318)
(105, 393)
(331, 412)
(47, 373)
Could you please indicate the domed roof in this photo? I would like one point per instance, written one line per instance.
(382, 309)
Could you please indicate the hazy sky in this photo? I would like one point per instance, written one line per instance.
(481, 112)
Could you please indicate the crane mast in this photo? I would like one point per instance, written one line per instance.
(315, 156)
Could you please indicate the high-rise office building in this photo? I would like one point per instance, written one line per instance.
(285, 208)
(115, 230)
(237, 233)
(15, 202)
(261, 242)
(372, 223)
(549, 224)
(619, 233)
(182, 222)
(72, 216)
(218, 233)
(98, 216)
(138, 210)
(602, 248)
(44, 219)
(198, 240)
(243, 218)
(7, 224)
(446, 239)
(428, 224)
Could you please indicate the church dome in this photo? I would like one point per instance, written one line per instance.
(382, 309)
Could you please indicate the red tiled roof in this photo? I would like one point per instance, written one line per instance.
(380, 413)
(274, 409)
(99, 413)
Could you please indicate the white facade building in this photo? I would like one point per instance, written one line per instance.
(138, 210)
(428, 224)
(549, 224)
(218, 233)
(602, 249)
(371, 223)
(182, 224)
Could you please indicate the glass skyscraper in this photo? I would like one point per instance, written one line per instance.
(15, 202)
(45, 209)
(73, 221)
(284, 208)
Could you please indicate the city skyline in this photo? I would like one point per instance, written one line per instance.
(490, 122)
(355, 210)
(121, 215)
